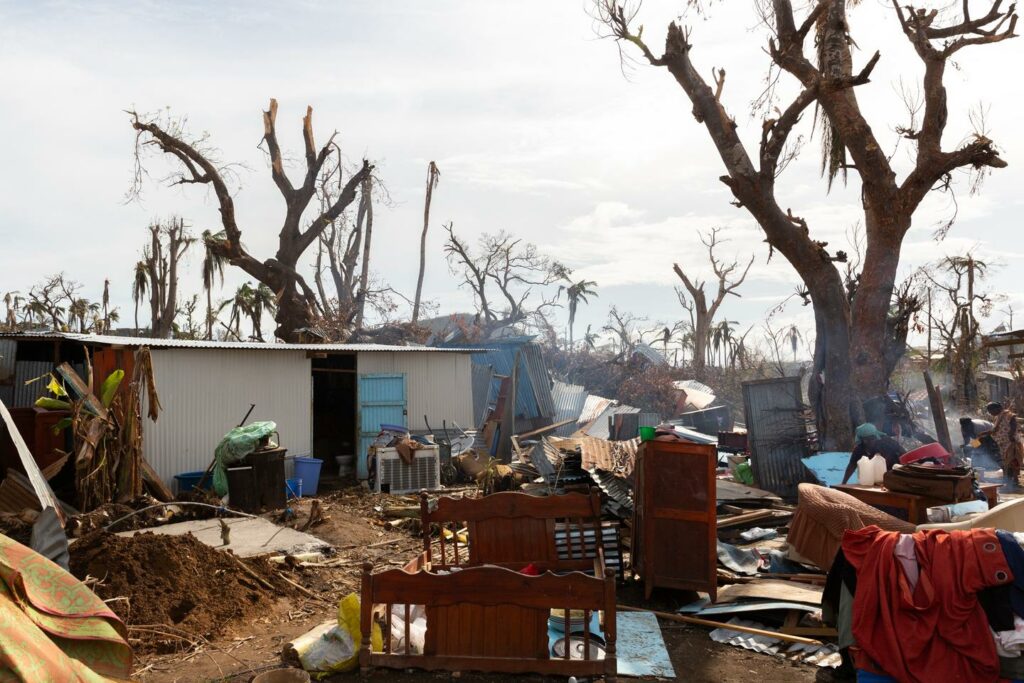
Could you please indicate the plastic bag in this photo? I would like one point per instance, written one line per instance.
(236, 444)
(348, 619)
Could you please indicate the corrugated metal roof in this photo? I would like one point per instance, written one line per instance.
(481, 383)
(1002, 374)
(650, 353)
(533, 390)
(599, 428)
(569, 400)
(592, 409)
(113, 340)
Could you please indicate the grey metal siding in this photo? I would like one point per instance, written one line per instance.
(206, 392)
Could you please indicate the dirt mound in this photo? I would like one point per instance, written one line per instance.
(173, 580)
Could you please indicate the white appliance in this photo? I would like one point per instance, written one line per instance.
(394, 476)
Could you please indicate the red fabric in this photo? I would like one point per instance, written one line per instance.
(938, 631)
(530, 570)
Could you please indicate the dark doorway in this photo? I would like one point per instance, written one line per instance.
(335, 407)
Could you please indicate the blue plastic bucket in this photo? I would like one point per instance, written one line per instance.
(308, 470)
(189, 480)
(292, 488)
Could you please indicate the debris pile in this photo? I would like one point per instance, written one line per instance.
(175, 581)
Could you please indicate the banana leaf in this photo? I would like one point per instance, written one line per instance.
(110, 385)
(52, 403)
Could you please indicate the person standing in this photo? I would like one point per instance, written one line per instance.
(1007, 436)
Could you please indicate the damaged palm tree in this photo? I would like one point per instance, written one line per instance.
(109, 464)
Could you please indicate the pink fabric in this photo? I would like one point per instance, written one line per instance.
(904, 552)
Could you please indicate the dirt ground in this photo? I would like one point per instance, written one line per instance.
(253, 645)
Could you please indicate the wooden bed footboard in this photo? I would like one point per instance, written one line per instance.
(561, 532)
(487, 618)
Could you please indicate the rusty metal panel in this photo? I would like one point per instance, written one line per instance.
(778, 436)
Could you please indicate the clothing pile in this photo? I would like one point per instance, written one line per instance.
(934, 605)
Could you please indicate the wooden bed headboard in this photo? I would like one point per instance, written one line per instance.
(487, 619)
(516, 529)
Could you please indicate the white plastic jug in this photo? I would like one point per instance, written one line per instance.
(880, 465)
(865, 471)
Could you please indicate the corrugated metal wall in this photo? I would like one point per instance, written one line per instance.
(205, 393)
(777, 434)
(8, 349)
(438, 384)
(25, 395)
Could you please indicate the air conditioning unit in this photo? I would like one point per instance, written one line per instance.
(394, 476)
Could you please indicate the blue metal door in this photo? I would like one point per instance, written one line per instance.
(381, 401)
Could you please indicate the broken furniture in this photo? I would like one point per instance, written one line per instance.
(489, 618)
(914, 505)
(554, 533)
(674, 541)
(257, 481)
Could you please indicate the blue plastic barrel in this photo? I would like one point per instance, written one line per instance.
(188, 481)
(308, 470)
(292, 488)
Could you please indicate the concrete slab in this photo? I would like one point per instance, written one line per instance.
(249, 537)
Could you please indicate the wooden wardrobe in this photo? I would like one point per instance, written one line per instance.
(675, 531)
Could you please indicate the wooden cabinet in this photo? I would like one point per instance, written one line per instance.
(675, 530)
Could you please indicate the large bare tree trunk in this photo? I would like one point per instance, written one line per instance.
(830, 85)
(364, 275)
(433, 175)
(297, 302)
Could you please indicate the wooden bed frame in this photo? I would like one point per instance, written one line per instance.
(487, 618)
(515, 529)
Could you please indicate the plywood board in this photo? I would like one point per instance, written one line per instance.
(789, 591)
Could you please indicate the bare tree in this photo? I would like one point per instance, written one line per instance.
(702, 312)
(852, 337)
(297, 303)
(624, 326)
(956, 278)
(510, 269)
(168, 242)
(433, 177)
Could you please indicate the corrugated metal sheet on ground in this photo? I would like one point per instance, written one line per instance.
(618, 457)
(569, 400)
(819, 655)
(618, 491)
(777, 434)
(482, 375)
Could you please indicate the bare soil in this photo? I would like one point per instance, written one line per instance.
(354, 524)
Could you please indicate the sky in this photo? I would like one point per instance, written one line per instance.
(536, 125)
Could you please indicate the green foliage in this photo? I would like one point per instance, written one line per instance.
(110, 385)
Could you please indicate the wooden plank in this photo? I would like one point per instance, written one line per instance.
(155, 483)
(938, 414)
(717, 624)
(543, 430)
(756, 516)
(39, 484)
(788, 591)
